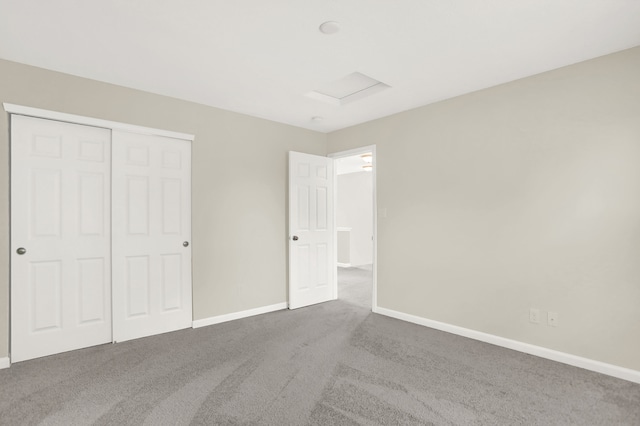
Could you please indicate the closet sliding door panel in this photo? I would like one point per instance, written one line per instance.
(151, 235)
(60, 237)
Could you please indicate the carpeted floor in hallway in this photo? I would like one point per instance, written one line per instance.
(355, 285)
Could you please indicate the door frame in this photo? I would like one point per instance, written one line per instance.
(87, 121)
(374, 268)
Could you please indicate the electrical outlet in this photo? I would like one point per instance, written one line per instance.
(534, 315)
(552, 319)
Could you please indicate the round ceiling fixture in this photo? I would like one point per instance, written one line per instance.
(329, 27)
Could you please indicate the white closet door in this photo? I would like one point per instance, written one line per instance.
(60, 232)
(151, 235)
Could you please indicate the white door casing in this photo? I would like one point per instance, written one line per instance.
(311, 230)
(151, 230)
(60, 214)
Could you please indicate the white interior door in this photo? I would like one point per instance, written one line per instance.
(151, 235)
(60, 232)
(311, 230)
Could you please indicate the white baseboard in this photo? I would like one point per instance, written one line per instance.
(237, 315)
(344, 265)
(4, 363)
(565, 358)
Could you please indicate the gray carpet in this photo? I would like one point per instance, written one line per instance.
(355, 285)
(330, 364)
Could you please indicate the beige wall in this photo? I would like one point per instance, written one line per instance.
(239, 183)
(522, 195)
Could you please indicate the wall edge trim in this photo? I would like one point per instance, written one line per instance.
(239, 315)
(90, 121)
(5, 363)
(539, 351)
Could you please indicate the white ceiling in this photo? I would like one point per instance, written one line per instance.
(260, 57)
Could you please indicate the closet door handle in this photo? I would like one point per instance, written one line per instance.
(21, 251)
(185, 244)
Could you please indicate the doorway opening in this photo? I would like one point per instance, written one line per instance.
(355, 226)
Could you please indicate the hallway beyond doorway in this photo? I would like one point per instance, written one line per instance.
(354, 285)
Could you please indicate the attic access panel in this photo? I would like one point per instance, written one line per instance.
(351, 88)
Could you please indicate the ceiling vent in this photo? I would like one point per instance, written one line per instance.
(348, 89)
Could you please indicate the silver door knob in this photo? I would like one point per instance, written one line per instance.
(21, 250)
(295, 238)
(186, 244)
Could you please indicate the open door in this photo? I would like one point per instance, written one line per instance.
(311, 230)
